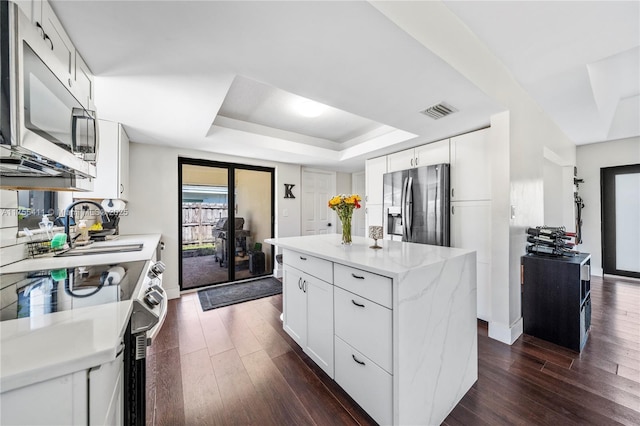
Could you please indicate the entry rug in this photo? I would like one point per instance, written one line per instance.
(225, 295)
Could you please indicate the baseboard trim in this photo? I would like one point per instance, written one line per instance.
(506, 334)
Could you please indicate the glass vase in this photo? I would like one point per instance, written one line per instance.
(346, 229)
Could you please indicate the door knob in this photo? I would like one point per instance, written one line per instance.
(328, 224)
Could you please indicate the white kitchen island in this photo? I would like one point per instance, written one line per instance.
(395, 327)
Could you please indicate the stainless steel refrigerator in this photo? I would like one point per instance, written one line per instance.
(416, 205)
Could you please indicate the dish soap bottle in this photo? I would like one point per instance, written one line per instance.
(84, 230)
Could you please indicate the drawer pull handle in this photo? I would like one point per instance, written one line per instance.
(357, 360)
(357, 304)
(303, 258)
(357, 276)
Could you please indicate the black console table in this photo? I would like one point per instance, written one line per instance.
(556, 299)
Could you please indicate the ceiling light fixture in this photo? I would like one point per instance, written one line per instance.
(309, 108)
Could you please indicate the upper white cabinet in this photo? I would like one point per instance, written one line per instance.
(401, 160)
(65, 61)
(112, 167)
(58, 41)
(423, 155)
(471, 166)
(83, 83)
(432, 153)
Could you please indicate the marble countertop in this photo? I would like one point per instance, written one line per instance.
(40, 348)
(394, 259)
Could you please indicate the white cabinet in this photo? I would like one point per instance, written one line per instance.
(62, 57)
(294, 306)
(368, 384)
(106, 393)
(62, 401)
(423, 155)
(83, 83)
(373, 215)
(401, 160)
(112, 180)
(319, 344)
(375, 168)
(363, 323)
(471, 166)
(60, 43)
(471, 229)
(308, 297)
(471, 207)
(432, 153)
(55, 48)
(70, 399)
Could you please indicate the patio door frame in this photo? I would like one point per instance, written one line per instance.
(608, 212)
(231, 202)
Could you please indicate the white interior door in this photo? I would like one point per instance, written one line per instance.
(317, 189)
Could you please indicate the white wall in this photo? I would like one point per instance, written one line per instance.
(343, 183)
(552, 176)
(153, 205)
(590, 158)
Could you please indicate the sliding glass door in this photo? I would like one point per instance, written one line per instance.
(226, 213)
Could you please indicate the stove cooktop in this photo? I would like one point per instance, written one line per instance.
(34, 293)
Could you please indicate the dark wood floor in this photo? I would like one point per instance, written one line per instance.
(235, 365)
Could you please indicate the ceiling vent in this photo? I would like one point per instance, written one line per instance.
(439, 110)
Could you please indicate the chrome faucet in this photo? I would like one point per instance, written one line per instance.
(67, 214)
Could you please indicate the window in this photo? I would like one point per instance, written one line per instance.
(32, 205)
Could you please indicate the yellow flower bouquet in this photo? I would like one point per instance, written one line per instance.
(344, 205)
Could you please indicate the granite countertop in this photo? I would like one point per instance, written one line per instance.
(393, 259)
(43, 347)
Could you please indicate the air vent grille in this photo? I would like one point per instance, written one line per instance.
(439, 110)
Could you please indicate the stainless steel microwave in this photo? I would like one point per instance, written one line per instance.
(46, 132)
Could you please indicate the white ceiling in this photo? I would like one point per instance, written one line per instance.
(218, 76)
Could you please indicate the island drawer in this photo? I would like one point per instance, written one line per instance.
(366, 284)
(369, 385)
(365, 325)
(312, 265)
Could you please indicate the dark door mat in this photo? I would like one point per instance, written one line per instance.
(217, 297)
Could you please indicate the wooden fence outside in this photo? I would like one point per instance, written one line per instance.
(198, 221)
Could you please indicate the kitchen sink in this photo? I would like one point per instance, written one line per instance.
(101, 249)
